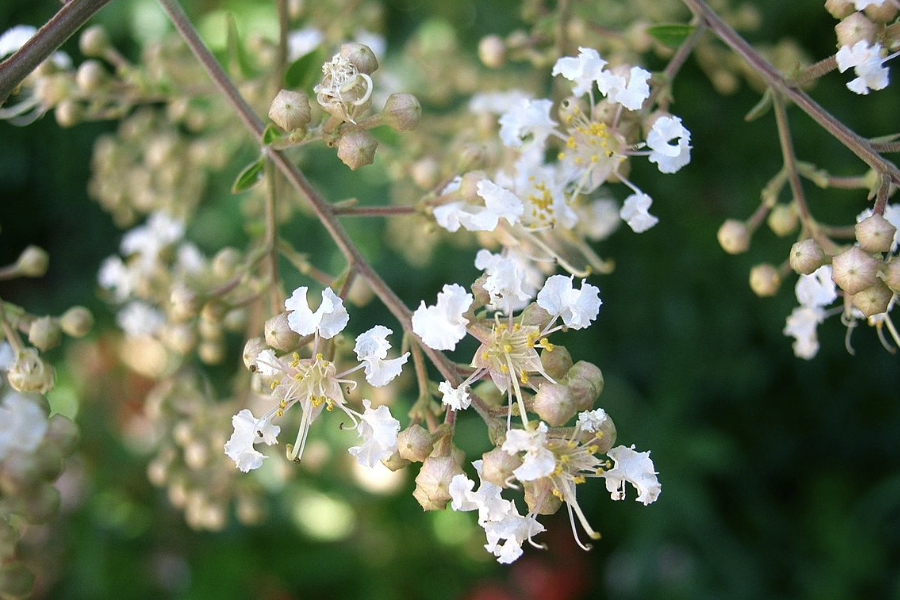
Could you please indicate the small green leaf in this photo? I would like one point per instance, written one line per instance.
(250, 176)
(302, 72)
(270, 134)
(671, 35)
(761, 108)
(237, 57)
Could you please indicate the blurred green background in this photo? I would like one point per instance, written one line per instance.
(780, 476)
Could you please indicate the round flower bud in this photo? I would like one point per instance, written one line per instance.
(184, 303)
(534, 315)
(783, 219)
(30, 373)
(425, 172)
(395, 462)
(16, 581)
(356, 148)
(279, 334)
(892, 275)
(556, 362)
(235, 320)
(157, 471)
(873, 300)
(290, 110)
(586, 382)
(540, 498)
(211, 352)
(414, 443)
(195, 455)
(49, 461)
(94, 42)
(555, 403)
(604, 439)
(401, 112)
(90, 76)
(226, 262)
(839, 8)
(883, 13)
(855, 28)
(44, 333)
(77, 321)
(734, 237)
(20, 472)
(360, 56)
(492, 51)
(433, 481)
(63, 433)
(179, 337)
(854, 270)
(875, 234)
(497, 466)
(42, 504)
(33, 262)
(764, 280)
(806, 256)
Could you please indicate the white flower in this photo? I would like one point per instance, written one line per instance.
(379, 430)
(371, 349)
(7, 356)
(862, 4)
(630, 91)
(867, 64)
(301, 42)
(267, 363)
(149, 239)
(669, 157)
(441, 326)
(16, 37)
(139, 318)
(248, 430)
(455, 398)
(583, 70)
(892, 216)
(576, 307)
(635, 212)
(499, 203)
(591, 420)
(801, 325)
(816, 289)
(637, 469)
(329, 319)
(539, 460)
(460, 490)
(527, 117)
(513, 530)
(506, 281)
(542, 190)
(115, 276)
(23, 423)
(496, 103)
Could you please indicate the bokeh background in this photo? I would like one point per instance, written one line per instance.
(781, 477)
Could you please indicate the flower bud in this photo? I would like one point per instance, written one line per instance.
(94, 41)
(555, 403)
(556, 362)
(16, 581)
(50, 460)
(213, 311)
(468, 185)
(892, 275)
(30, 373)
(211, 352)
(540, 498)
(433, 481)
(883, 13)
(90, 76)
(157, 472)
(77, 321)
(604, 439)
(20, 472)
(840, 8)
(875, 234)
(33, 262)
(873, 300)
(290, 110)
(360, 56)
(586, 382)
(395, 462)
(44, 333)
(734, 237)
(184, 303)
(226, 262)
(425, 172)
(250, 511)
(279, 334)
(196, 454)
(492, 51)
(854, 270)
(783, 219)
(401, 112)
(356, 148)
(63, 433)
(855, 28)
(535, 315)
(764, 280)
(806, 256)
(178, 337)
(68, 113)
(414, 443)
(497, 466)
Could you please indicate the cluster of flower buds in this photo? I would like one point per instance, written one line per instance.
(33, 449)
(345, 95)
(191, 427)
(866, 29)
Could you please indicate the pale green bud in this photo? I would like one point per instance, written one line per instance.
(414, 443)
(77, 321)
(806, 256)
(854, 270)
(734, 236)
(875, 234)
(764, 280)
(873, 300)
(44, 333)
(356, 148)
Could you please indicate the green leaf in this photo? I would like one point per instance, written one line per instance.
(761, 108)
(671, 35)
(237, 58)
(302, 72)
(270, 134)
(250, 176)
